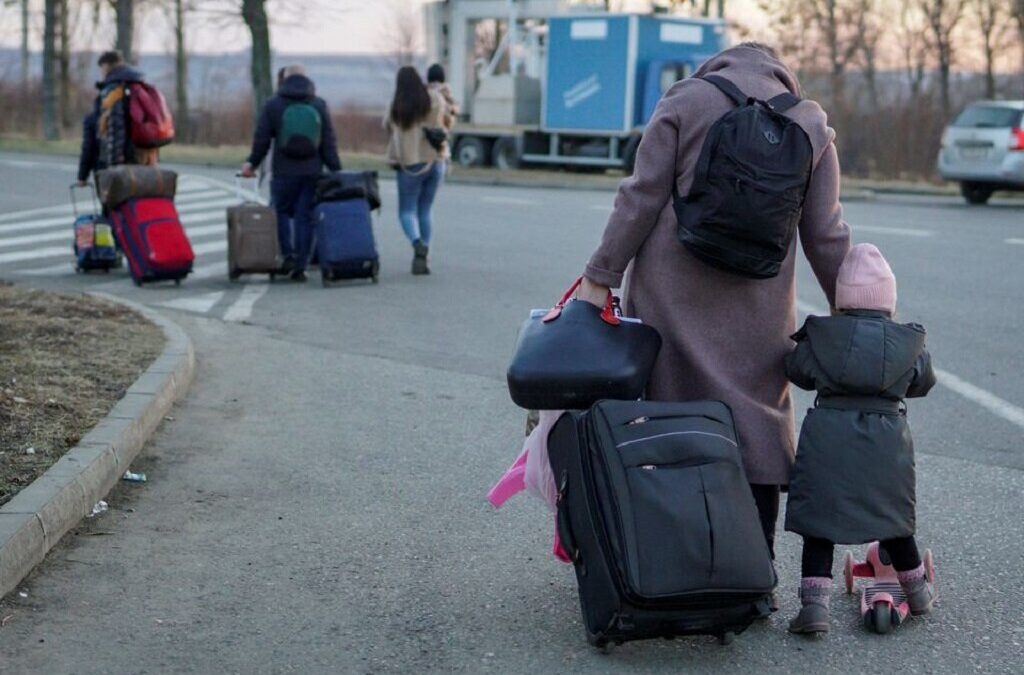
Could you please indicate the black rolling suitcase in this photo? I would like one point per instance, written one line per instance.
(655, 511)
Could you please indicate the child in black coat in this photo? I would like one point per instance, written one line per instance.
(853, 481)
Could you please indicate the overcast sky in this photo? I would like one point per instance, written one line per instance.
(324, 26)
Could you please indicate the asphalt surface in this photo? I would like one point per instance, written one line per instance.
(317, 502)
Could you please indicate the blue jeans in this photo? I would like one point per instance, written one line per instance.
(292, 197)
(416, 192)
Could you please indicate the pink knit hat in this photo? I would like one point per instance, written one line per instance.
(866, 281)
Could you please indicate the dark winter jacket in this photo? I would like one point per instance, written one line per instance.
(853, 480)
(297, 88)
(106, 136)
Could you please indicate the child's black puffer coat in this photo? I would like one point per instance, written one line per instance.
(853, 480)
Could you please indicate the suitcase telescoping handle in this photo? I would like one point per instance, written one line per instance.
(607, 314)
(253, 195)
(92, 193)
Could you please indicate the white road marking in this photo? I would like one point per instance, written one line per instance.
(26, 164)
(200, 304)
(43, 223)
(606, 208)
(986, 399)
(217, 269)
(63, 268)
(210, 247)
(517, 201)
(66, 233)
(242, 308)
(52, 252)
(898, 231)
(199, 196)
(28, 213)
(1019, 242)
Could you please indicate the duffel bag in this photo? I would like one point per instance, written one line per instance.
(343, 185)
(131, 181)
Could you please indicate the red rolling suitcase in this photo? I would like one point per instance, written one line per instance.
(153, 240)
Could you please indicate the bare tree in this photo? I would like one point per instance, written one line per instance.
(874, 28)
(943, 17)
(124, 11)
(64, 59)
(50, 130)
(1017, 8)
(25, 55)
(914, 47)
(181, 8)
(990, 15)
(254, 13)
(402, 33)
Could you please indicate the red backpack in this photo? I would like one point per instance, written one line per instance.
(152, 125)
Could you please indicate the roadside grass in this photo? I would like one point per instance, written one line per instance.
(231, 156)
(65, 360)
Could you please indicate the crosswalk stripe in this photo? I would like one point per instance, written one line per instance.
(199, 196)
(52, 252)
(200, 304)
(65, 233)
(50, 270)
(217, 269)
(221, 202)
(210, 247)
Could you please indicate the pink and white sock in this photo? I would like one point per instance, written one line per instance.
(816, 590)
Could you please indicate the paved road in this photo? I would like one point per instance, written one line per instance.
(316, 505)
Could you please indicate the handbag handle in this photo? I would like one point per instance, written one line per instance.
(607, 314)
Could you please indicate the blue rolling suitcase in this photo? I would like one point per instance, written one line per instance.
(344, 241)
(94, 246)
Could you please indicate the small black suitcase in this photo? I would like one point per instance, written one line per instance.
(655, 510)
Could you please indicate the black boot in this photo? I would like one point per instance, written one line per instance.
(419, 260)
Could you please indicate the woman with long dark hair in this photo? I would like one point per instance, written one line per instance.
(418, 149)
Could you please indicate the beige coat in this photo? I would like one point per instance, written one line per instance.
(409, 147)
(724, 336)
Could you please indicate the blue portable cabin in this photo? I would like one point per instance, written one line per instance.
(605, 73)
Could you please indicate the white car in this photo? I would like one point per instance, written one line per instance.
(983, 149)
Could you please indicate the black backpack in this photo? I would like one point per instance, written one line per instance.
(749, 187)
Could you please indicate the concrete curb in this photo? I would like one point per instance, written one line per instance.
(38, 516)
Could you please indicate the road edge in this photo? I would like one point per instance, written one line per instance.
(40, 515)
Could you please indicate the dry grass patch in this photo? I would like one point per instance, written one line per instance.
(65, 360)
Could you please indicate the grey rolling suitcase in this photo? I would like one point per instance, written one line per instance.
(252, 238)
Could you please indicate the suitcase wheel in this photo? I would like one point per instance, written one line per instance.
(177, 282)
(137, 282)
(324, 281)
(376, 272)
(726, 638)
(273, 276)
(234, 275)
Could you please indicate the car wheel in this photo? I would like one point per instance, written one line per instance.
(506, 153)
(976, 193)
(629, 154)
(471, 151)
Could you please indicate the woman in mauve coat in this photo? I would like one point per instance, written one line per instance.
(725, 336)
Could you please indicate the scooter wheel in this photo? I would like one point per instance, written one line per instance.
(848, 572)
(881, 617)
(726, 638)
(929, 565)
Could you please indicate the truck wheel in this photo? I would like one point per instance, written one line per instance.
(506, 154)
(471, 151)
(976, 193)
(629, 154)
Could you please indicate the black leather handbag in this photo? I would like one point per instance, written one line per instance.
(579, 354)
(436, 136)
(341, 186)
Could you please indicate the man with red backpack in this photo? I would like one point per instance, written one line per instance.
(129, 121)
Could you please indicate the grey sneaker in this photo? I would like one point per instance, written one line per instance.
(813, 619)
(921, 597)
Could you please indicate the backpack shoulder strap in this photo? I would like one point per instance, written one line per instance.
(783, 102)
(728, 88)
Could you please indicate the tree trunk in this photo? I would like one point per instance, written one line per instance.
(125, 11)
(944, 72)
(26, 64)
(50, 130)
(255, 15)
(64, 58)
(181, 72)
(721, 9)
(990, 76)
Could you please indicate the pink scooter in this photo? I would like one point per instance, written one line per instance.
(883, 604)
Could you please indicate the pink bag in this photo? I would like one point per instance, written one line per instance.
(532, 472)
